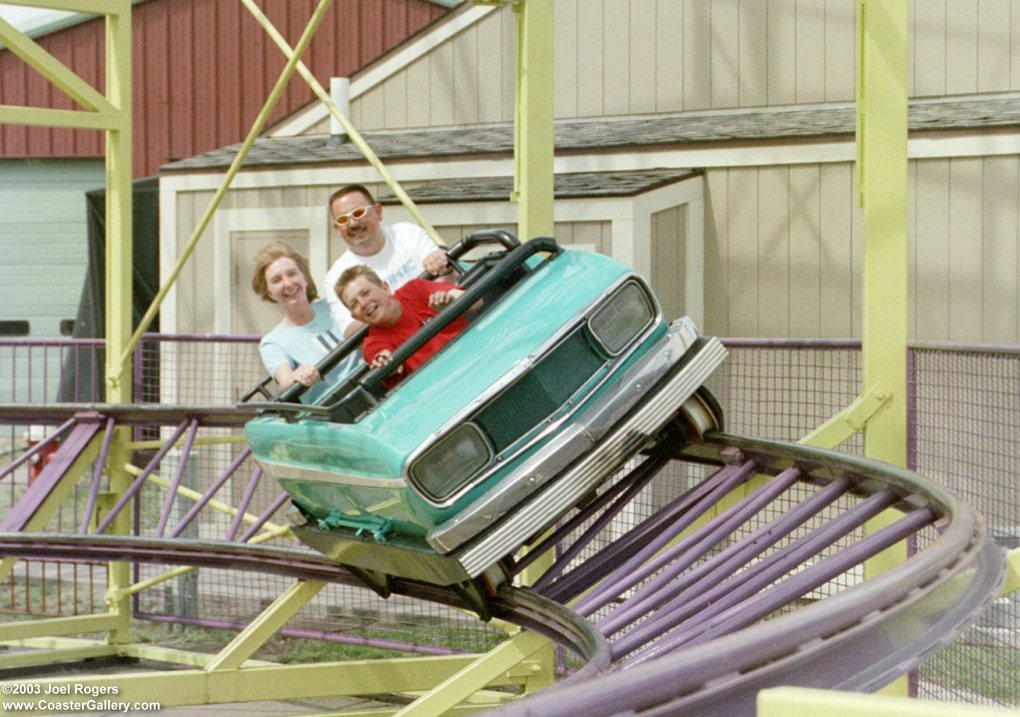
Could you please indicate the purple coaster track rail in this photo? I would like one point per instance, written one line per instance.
(687, 624)
(693, 610)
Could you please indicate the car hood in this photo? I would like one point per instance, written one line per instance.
(449, 385)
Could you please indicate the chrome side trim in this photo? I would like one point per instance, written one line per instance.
(590, 427)
(289, 471)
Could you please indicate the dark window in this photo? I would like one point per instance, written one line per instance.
(14, 327)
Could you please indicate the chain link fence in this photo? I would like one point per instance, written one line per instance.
(963, 433)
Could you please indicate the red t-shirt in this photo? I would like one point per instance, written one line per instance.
(414, 298)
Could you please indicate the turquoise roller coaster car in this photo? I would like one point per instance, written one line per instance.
(566, 373)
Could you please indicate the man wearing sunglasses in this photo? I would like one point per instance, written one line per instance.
(397, 253)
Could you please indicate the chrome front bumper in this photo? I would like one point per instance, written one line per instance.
(603, 436)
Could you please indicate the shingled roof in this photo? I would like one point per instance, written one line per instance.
(652, 131)
(567, 186)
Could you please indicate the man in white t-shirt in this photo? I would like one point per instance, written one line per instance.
(396, 253)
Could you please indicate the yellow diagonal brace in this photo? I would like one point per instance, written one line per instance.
(235, 167)
(263, 627)
(349, 128)
(201, 441)
(849, 421)
(1012, 583)
(62, 77)
(487, 668)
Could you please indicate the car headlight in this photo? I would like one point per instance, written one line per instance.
(621, 318)
(450, 463)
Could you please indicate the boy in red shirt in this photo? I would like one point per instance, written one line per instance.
(393, 318)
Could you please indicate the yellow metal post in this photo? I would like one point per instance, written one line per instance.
(118, 203)
(533, 151)
(533, 146)
(882, 191)
(118, 279)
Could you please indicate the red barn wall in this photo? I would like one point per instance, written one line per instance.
(202, 70)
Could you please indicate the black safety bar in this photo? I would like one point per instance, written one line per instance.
(339, 352)
(364, 387)
(499, 273)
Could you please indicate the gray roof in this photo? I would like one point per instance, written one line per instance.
(567, 186)
(627, 133)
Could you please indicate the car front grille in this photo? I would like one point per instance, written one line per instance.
(540, 392)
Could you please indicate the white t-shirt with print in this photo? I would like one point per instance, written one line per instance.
(400, 260)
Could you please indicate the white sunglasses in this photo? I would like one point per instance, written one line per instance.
(358, 214)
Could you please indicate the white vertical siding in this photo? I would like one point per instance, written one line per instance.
(805, 248)
(669, 267)
(1000, 223)
(783, 255)
(965, 260)
(931, 249)
(625, 57)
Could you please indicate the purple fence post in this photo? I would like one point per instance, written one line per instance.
(137, 371)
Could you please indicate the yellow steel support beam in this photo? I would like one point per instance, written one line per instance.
(533, 126)
(51, 627)
(882, 173)
(119, 270)
(174, 656)
(804, 702)
(51, 654)
(278, 682)
(93, 7)
(118, 202)
(113, 114)
(534, 176)
(235, 166)
(263, 627)
(77, 119)
(479, 674)
(882, 190)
